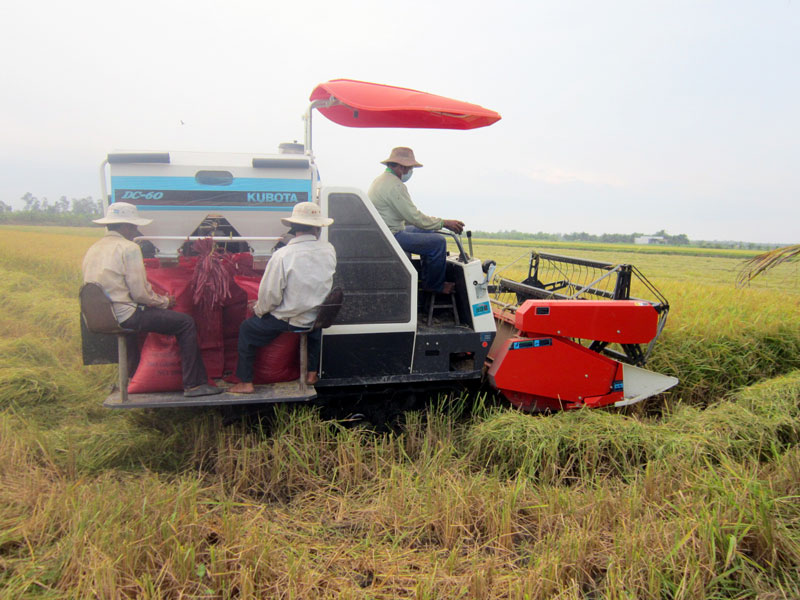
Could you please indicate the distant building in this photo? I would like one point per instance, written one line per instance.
(649, 239)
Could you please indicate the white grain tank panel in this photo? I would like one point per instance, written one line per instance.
(178, 195)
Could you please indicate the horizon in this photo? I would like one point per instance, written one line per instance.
(511, 232)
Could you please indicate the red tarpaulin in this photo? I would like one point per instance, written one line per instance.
(366, 104)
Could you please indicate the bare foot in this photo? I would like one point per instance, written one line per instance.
(312, 378)
(243, 387)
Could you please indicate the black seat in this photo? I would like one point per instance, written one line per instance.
(97, 311)
(329, 309)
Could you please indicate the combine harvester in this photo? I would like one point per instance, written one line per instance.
(568, 335)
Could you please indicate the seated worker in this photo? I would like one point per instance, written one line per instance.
(296, 281)
(413, 230)
(115, 263)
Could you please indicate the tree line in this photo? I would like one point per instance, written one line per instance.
(40, 211)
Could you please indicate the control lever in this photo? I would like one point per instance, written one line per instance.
(488, 267)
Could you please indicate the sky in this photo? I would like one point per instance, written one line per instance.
(618, 116)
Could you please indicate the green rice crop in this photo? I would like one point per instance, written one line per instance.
(468, 499)
(759, 423)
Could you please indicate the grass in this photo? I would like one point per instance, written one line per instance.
(467, 500)
(314, 510)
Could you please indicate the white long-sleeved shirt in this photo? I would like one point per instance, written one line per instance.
(296, 281)
(116, 265)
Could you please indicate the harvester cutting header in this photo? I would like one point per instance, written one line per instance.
(570, 334)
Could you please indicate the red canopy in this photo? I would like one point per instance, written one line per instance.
(365, 104)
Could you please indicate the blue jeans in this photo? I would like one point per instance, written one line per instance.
(256, 332)
(432, 248)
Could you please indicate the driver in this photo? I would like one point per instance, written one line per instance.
(413, 230)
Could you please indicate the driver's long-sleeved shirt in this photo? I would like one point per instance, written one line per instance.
(393, 202)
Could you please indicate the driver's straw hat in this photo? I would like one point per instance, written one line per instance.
(307, 213)
(402, 156)
(122, 212)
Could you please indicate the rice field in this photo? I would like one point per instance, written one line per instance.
(695, 494)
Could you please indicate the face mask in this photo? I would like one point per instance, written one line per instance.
(407, 176)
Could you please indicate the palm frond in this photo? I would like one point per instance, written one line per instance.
(764, 262)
